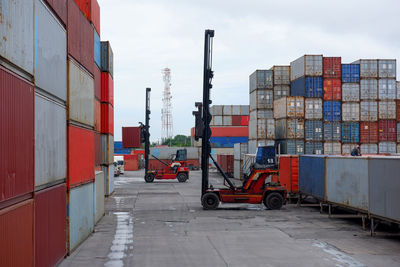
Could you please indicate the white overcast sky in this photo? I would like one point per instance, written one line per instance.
(149, 35)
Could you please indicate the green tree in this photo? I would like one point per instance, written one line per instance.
(178, 141)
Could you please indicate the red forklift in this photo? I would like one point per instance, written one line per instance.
(177, 169)
(254, 190)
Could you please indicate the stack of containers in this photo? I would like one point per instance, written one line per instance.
(306, 81)
(332, 135)
(240, 149)
(281, 81)
(350, 107)
(261, 123)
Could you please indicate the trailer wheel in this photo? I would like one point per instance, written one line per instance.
(273, 201)
(182, 177)
(210, 201)
(149, 178)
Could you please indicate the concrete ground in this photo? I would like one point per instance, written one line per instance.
(163, 224)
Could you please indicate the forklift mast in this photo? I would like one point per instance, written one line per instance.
(146, 132)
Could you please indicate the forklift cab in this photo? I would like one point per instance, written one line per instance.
(181, 155)
(265, 158)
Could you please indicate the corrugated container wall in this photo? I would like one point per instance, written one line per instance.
(281, 91)
(332, 111)
(307, 65)
(229, 131)
(289, 107)
(107, 58)
(350, 132)
(332, 131)
(387, 147)
(332, 67)
(387, 68)
(314, 148)
(131, 137)
(307, 86)
(312, 176)
(281, 75)
(107, 119)
(289, 173)
(369, 149)
(261, 99)
(107, 149)
(261, 114)
(332, 89)
(261, 79)
(50, 142)
(369, 110)
(350, 73)
(98, 196)
(387, 89)
(91, 10)
(60, 8)
(313, 108)
(97, 115)
(347, 148)
(369, 89)
(239, 150)
(97, 49)
(387, 130)
(350, 92)
(97, 149)
(387, 110)
(369, 132)
(332, 148)
(313, 130)
(18, 140)
(291, 147)
(351, 111)
(368, 68)
(107, 88)
(289, 129)
(262, 129)
(97, 82)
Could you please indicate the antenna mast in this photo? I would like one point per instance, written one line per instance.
(166, 111)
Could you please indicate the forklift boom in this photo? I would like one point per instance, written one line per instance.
(226, 178)
(163, 162)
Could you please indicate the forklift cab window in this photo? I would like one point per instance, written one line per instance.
(181, 155)
(265, 157)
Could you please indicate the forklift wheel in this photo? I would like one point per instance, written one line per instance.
(182, 177)
(149, 178)
(273, 201)
(210, 201)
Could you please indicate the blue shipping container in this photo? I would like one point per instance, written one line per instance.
(332, 111)
(350, 73)
(224, 142)
(312, 176)
(118, 150)
(307, 86)
(97, 49)
(350, 132)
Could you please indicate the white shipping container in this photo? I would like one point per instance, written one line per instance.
(239, 149)
(387, 68)
(350, 92)
(98, 196)
(398, 90)
(307, 65)
(369, 89)
(261, 114)
(261, 99)
(227, 120)
(369, 110)
(347, 148)
(281, 91)
(387, 89)
(289, 107)
(237, 169)
(245, 110)
(262, 129)
(369, 149)
(350, 111)
(313, 108)
(387, 110)
(107, 149)
(368, 68)
(332, 148)
(216, 121)
(216, 110)
(227, 110)
(387, 147)
(281, 75)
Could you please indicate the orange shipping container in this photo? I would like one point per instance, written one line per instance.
(91, 10)
(107, 119)
(131, 162)
(289, 173)
(332, 89)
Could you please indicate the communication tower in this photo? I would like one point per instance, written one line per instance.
(166, 111)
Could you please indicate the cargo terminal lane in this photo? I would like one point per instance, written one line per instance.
(163, 224)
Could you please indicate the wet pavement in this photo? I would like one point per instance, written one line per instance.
(163, 224)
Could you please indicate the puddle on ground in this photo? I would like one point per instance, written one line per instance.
(341, 257)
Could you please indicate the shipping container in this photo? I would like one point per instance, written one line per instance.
(107, 119)
(216, 120)
(387, 68)
(281, 91)
(98, 196)
(332, 89)
(226, 142)
(398, 89)
(81, 94)
(261, 79)
(80, 221)
(261, 114)
(97, 49)
(17, 41)
(307, 65)
(387, 89)
(244, 120)
(107, 149)
(369, 89)
(227, 120)
(387, 110)
(97, 82)
(226, 163)
(50, 225)
(369, 149)
(50, 142)
(119, 150)
(60, 9)
(229, 131)
(289, 129)
(262, 129)
(291, 147)
(313, 108)
(332, 111)
(398, 110)
(51, 53)
(369, 132)
(350, 132)
(261, 99)
(332, 67)
(368, 68)
(313, 130)
(80, 156)
(237, 169)
(167, 153)
(80, 37)
(289, 173)
(91, 10)
(97, 115)
(387, 130)
(17, 139)
(314, 148)
(347, 148)
(239, 150)
(281, 75)
(254, 144)
(236, 120)
(350, 92)
(307, 86)
(289, 107)
(97, 149)
(351, 111)
(332, 148)
(216, 110)
(107, 58)
(332, 131)
(369, 110)
(398, 148)
(17, 235)
(312, 176)
(107, 88)
(387, 147)
(131, 137)
(350, 73)
(108, 179)
(235, 110)
(131, 162)
(398, 132)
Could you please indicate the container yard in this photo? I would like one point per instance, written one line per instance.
(291, 156)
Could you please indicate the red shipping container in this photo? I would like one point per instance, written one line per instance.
(236, 120)
(107, 88)
(332, 67)
(226, 163)
(131, 137)
(97, 149)
(398, 111)
(289, 173)
(369, 132)
(97, 82)
(137, 152)
(80, 156)
(50, 225)
(16, 232)
(97, 115)
(80, 37)
(17, 150)
(131, 162)
(244, 121)
(107, 119)
(238, 131)
(60, 9)
(387, 130)
(91, 10)
(332, 89)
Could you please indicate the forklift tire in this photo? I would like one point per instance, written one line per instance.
(182, 177)
(273, 201)
(210, 201)
(149, 178)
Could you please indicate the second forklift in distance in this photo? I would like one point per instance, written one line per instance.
(177, 169)
(255, 190)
